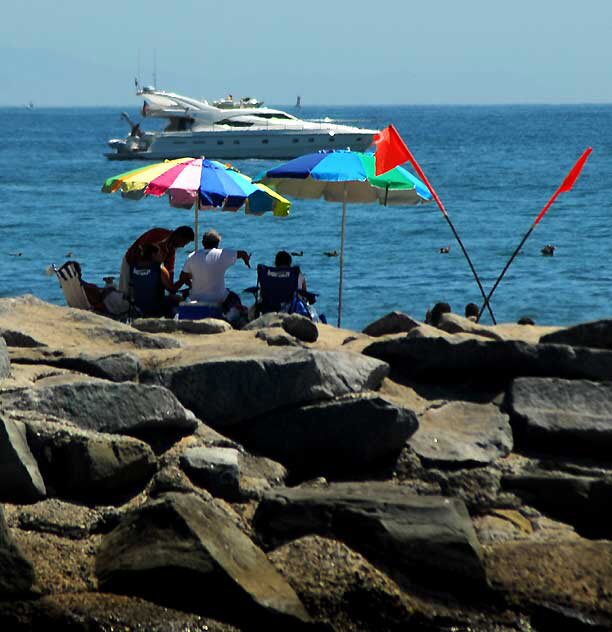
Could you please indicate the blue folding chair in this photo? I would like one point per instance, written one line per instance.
(277, 291)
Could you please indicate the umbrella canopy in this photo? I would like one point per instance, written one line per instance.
(199, 183)
(348, 177)
(340, 175)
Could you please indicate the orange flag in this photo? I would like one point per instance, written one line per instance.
(390, 150)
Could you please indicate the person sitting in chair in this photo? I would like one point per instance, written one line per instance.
(167, 242)
(282, 288)
(283, 260)
(149, 280)
(204, 271)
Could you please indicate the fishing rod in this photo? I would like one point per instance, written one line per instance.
(566, 186)
(394, 153)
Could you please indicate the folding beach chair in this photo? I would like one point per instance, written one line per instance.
(69, 277)
(277, 287)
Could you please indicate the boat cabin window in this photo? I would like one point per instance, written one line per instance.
(177, 124)
(271, 115)
(234, 123)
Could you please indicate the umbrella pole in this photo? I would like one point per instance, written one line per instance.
(195, 220)
(341, 256)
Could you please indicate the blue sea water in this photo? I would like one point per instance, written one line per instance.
(494, 167)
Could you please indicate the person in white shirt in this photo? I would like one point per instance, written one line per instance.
(205, 269)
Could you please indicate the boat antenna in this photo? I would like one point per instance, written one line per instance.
(155, 68)
(137, 69)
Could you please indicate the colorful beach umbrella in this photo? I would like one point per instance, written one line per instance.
(201, 184)
(348, 177)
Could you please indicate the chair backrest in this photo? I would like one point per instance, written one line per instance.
(146, 288)
(69, 276)
(276, 286)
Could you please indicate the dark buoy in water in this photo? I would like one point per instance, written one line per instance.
(548, 250)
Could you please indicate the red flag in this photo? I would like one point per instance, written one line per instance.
(567, 184)
(390, 150)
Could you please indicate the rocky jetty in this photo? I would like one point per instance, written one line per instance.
(183, 476)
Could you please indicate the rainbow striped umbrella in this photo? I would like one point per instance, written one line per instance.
(341, 175)
(201, 184)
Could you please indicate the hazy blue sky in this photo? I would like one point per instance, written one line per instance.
(71, 52)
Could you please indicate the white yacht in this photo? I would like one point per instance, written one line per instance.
(197, 128)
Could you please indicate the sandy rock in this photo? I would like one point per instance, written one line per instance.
(59, 518)
(16, 571)
(341, 587)
(17, 339)
(567, 586)
(125, 408)
(215, 469)
(391, 323)
(272, 319)
(597, 334)
(428, 539)
(87, 465)
(67, 328)
(117, 367)
(439, 359)
(453, 324)
(170, 326)
(345, 436)
(20, 477)
(276, 338)
(180, 549)
(300, 327)
(224, 391)
(5, 361)
(567, 416)
(462, 433)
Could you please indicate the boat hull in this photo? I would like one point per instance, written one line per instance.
(230, 145)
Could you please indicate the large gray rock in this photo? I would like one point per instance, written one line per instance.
(301, 327)
(184, 551)
(454, 324)
(74, 521)
(126, 408)
(117, 367)
(5, 361)
(429, 539)
(170, 326)
(226, 391)
(391, 323)
(441, 358)
(596, 334)
(568, 415)
(462, 433)
(16, 571)
(20, 478)
(215, 469)
(87, 465)
(15, 338)
(344, 436)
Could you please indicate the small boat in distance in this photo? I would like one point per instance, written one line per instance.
(199, 128)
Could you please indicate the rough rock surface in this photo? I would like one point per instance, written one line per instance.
(226, 391)
(462, 433)
(429, 537)
(181, 544)
(125, 408)
(394, 548)
(332, 437)
(5, 361)
(391, 323)
(568, 415)
(16, 571)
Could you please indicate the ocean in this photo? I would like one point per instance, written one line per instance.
(494, 168)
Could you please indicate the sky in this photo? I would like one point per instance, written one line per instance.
(330, 52)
